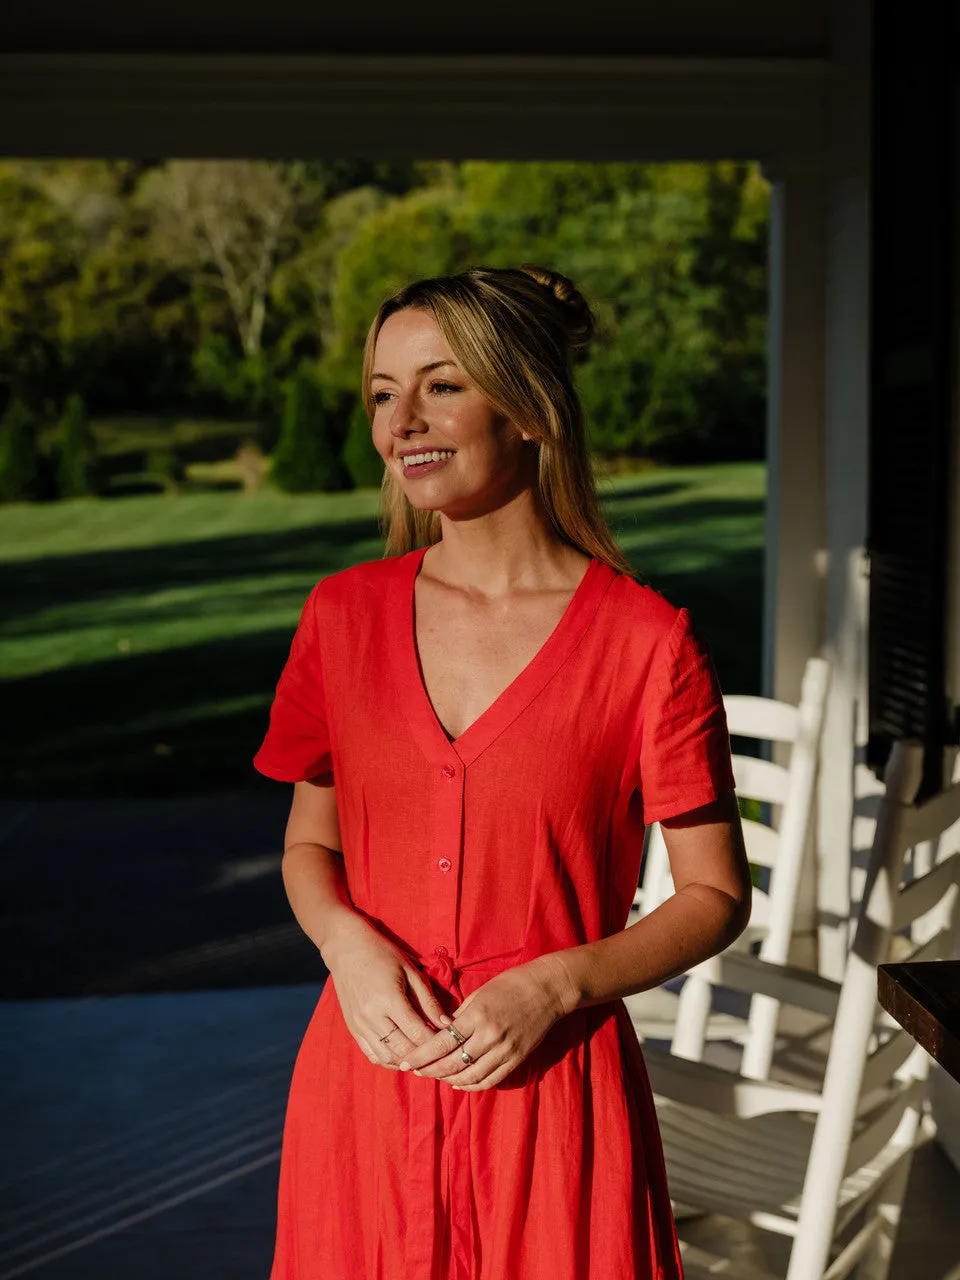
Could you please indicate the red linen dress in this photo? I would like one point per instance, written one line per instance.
(520, 837)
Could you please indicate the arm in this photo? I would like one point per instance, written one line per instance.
(313, 871)
(507, 1017)
(372, 977)
(710, 909)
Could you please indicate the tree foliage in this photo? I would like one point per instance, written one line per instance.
(21, 462)
(224, 222)
(78, 460)
(359, 454)
(202, 286)
(306, 459)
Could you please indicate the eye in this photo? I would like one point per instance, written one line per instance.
(441, 387)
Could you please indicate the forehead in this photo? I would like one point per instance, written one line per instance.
(410, 337)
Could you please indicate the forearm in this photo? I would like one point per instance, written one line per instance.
(692, 925)
(316, 884)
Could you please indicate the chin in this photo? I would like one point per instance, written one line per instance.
(425, 504)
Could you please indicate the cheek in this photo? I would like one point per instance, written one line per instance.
(382, 439)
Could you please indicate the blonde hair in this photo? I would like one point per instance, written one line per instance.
(512, 331)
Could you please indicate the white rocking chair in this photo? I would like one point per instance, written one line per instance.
(827, 1166)
(687, 1019)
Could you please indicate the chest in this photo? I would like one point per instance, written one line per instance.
(471, 652)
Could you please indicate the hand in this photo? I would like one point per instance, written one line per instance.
(502, 1022)
(373, 980)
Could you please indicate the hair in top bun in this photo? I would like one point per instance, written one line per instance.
(578, 317)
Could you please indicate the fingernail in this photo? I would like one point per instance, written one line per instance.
(417, 1073)
(404, 1066)
(458, 1088)
(444, 1020)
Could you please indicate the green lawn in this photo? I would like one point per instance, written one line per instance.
(141, 637)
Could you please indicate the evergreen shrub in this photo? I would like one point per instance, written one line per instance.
(359, 455)
(306, 459)
(78, 462)
(21, 460)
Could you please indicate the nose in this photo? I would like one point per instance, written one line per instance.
(404, 421)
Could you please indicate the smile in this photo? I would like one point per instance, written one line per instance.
(421, 459)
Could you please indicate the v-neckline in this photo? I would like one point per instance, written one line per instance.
(518, 694)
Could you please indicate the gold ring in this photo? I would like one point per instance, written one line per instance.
(465, 1058)
(456, 1034)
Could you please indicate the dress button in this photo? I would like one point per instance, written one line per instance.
(440, 951)
(448, 771)
(444, 864)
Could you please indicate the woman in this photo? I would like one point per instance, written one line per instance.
(478, 727)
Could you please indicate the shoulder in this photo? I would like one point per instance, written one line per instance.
(368, 575)
(645, 613)
(654, 638)
(352, 590)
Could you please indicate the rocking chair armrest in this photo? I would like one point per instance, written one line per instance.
(709, 1088)
(742, 971)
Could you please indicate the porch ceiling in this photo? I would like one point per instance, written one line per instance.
(675, 28)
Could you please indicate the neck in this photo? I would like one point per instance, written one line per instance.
(513, 547)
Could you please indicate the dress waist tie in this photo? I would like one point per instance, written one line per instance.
(441, 1242)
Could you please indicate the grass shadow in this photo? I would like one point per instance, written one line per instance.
(30, 587)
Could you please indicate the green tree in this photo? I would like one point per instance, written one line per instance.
(677, 273)
(21, 462)
(359, 454)
(78, 462)
(305, 459)
(425, 233)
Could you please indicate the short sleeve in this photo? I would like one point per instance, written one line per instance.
(685, 744)
(297, 743)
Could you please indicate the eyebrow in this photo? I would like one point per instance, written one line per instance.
(437, 364)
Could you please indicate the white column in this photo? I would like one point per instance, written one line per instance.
(793, 597)
(846, 461)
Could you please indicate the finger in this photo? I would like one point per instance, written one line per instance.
(367, 1050)
(469, 1082)
(429, 1003)
(372, 1055)
(452, 1063)
(410, 1023)
(451, 1067)
(438, 1047)
(384, 1041)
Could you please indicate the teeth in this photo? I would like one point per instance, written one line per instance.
(417, 459)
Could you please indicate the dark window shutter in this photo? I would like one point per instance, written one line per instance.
(911, 377)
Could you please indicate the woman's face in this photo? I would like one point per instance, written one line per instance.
(423, 411)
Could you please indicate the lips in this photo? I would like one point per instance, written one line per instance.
(421, 457)
(424, 462)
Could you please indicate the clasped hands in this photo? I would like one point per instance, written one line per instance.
(502, 1021)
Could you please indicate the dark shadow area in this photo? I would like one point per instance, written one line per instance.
(727, 606)
(105, 897)
(629, 493)
(687, 513)
(130, 486)
(30, 586)
(153, 724)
